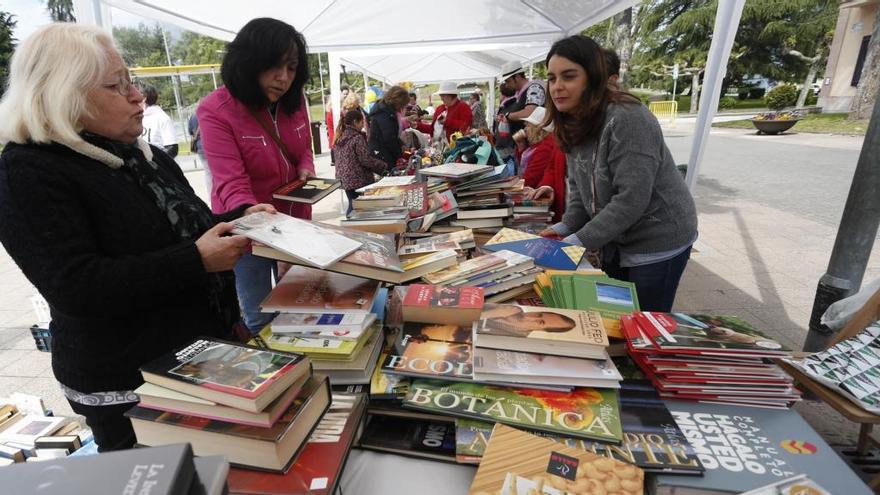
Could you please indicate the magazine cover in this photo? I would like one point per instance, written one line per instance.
(582, 413)
(517, 462)
(542, 323)
(304, 289)
(431, 351)
(697, 332)
(226, 367)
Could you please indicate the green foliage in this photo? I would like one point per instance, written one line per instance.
(824, 123)
(7, 46)
(726, 102)
(742, 93)
(784, 95)
(757, 93)
(60, 10)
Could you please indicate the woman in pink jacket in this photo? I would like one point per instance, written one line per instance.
(256, 136)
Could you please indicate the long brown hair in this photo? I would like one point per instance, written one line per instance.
(349, 119)
(585, 122)
(396, 97)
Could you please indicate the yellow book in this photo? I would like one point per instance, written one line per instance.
(314, 348)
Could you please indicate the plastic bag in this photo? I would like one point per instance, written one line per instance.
(838, 314)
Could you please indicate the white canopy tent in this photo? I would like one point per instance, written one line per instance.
(385, 30)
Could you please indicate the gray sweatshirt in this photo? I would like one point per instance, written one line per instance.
(642, 203)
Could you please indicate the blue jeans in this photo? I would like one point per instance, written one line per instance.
(253, 282)
(656, 283)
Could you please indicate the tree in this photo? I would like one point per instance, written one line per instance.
(7, 46)
(61, 10)
(143, 47)
(869, 81)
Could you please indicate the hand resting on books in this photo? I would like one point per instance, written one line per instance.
(543, 191)
(219, 253)
(261, 207)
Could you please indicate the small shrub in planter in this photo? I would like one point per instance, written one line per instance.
(784, 95)
(756, 93)
(726, 102)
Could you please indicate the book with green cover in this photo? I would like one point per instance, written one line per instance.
(583, 412)
(314, 348)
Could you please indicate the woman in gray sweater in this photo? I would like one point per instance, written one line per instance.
(626, 197)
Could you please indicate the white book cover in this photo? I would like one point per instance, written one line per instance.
(310, 322)
(389, 181)
(524, 367)
(28, 428)
(331, 332)
(301, 239)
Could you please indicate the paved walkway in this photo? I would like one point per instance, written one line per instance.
(768, 210)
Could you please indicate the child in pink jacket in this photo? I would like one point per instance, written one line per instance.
(256, 136)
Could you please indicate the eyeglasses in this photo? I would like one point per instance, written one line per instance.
(122, 86)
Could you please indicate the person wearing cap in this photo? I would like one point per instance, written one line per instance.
(453, 115)
(542, 163)
(529, 94)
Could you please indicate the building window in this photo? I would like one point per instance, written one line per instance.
(860, 62)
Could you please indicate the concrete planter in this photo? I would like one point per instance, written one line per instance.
(773, 126)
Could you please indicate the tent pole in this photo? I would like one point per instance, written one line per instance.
(335, 94)
(321, 77)
(726, 24)
(490, 104)
(214, 77)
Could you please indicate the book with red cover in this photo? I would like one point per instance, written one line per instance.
(308, 191)
(231, 374)
(309, 290)
(443, 304)
(706, 334)
(318, 467)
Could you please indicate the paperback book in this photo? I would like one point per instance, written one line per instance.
(495, 365)
(305, 241)
(442, 304)
(411, 437)
(308, 290)
(432, 351)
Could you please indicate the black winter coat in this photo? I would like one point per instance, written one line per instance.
(384, 140)
(121, 288)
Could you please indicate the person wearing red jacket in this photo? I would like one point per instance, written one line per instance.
(542, 163)
(453, 115)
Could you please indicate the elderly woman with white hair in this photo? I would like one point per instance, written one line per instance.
(132, 263)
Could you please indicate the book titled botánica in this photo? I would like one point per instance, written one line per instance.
(583, 412)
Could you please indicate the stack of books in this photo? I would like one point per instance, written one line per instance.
(167, 470)
(333, 318)
(590, 290)
(374, 258)
(527, 212)
(28, 432)
(318, 467)
(715, 359)
(256, 407)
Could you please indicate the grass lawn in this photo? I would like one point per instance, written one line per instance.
(830, 123)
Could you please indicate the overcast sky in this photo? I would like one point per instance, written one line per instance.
(31, 14)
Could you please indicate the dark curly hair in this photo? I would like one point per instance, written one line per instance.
(260, 45)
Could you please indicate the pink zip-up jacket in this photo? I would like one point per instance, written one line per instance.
(245, 162)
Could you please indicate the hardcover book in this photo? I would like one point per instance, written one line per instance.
(456, 170)
(262, 448)
(412, 437)
(164, 399)
(166, 470)
(582, 413)
(308, 191)
(230, 374)
(390, 180)
(442, 304)
(560, 332)
(319, 466)
(434, 351)
(347, 326)
(305, 241)
(651, 438)
(387, 386)
(307, 290)
(746, 448)
(517, 463)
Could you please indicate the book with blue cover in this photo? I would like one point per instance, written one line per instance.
(548, 253)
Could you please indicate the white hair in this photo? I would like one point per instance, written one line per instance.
(50, 77)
